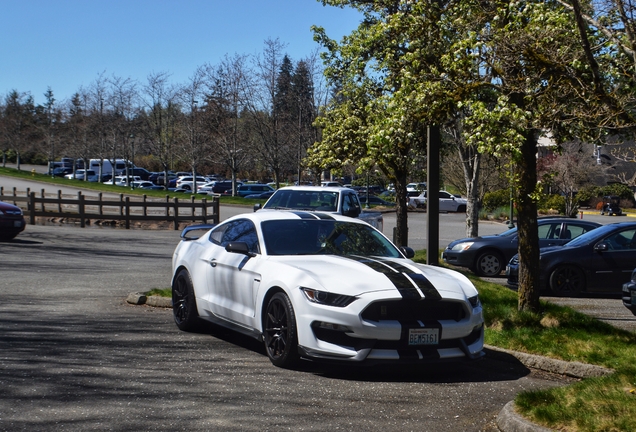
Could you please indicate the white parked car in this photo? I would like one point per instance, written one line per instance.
(324, 287)
(90, 175)
(187, 182)
(447, 202)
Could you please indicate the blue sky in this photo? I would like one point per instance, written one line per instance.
(66, 44)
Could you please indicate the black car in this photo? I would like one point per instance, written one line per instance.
(488, 255)
(629, 293)
(61, 171)
(12, 221)
(375, 201)
(611, 205)
(600, 260)
(223, 186)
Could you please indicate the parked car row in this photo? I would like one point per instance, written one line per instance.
(576, 257)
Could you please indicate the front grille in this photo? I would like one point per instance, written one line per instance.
(414, 310)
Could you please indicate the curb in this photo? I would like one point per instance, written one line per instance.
(561, 367)
(508, 420)
(156, 301)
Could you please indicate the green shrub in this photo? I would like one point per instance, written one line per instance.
(496, 199)
(551, 203)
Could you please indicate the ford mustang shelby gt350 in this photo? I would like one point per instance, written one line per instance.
(324, 287)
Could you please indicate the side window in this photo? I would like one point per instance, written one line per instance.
(576, 231)
(349, 202)
(624, 240)
(549, 231)
(241, 230)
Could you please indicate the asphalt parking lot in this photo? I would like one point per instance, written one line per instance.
(75, 356)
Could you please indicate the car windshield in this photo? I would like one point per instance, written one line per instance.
(303, 200)
(312, 237)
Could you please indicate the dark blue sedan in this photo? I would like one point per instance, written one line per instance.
(599, 261)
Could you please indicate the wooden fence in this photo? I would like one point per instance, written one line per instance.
(126, 208)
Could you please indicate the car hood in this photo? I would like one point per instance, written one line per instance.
(354, 275)
(474, 239)
(9, 208)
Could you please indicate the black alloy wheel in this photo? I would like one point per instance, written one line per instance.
(184, 305)
(489, 263)
(280, 333)
(567, 281)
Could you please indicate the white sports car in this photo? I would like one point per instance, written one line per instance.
(324, 287)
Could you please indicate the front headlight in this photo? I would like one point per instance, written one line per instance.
(462, 246)
(474, 301)
(327, 299)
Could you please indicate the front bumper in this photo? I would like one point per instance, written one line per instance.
(460, 259)
(379, 330)
(629, 296)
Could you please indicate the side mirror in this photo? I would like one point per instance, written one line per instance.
(407, 251)
(240, 248)
(353, 212)
(601, 247)
(257, 206)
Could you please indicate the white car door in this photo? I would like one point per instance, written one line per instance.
(447, 202)
(233, 278)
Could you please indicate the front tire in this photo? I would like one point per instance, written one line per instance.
(184, 305)
(489, 264)
(567, 281)
(280, 332)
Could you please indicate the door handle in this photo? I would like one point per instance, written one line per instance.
(213, 262)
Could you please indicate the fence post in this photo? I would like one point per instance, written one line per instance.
(32, 208)
(101, 211)
(43, 195)
(193, 208)
(121, 202)
(204, 210)
(176, 213)
(144, 207)
(167, 206)
(217, 216)
(59, 201)
(127, 212)
(81, 210)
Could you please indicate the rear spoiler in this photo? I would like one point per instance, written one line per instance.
(188, 229)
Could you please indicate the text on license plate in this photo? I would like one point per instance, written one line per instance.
(423, 336)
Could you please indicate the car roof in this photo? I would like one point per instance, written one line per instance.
(317, 188)
(266, 215)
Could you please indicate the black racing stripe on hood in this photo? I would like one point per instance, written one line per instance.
(305, 215)
(324, 216)
(401, 282)
(422, 282)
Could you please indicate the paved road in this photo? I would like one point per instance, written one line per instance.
(74, 356)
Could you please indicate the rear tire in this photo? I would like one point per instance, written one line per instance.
(184, 304)
(280, 332)
(489, 263)
(567, 281)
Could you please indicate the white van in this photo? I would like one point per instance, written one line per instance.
(107, 166)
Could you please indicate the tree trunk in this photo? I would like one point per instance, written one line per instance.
(471, 159)
(402, 231)
(527, 226)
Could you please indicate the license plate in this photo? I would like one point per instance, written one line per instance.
(17, 224)
(424, 336)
